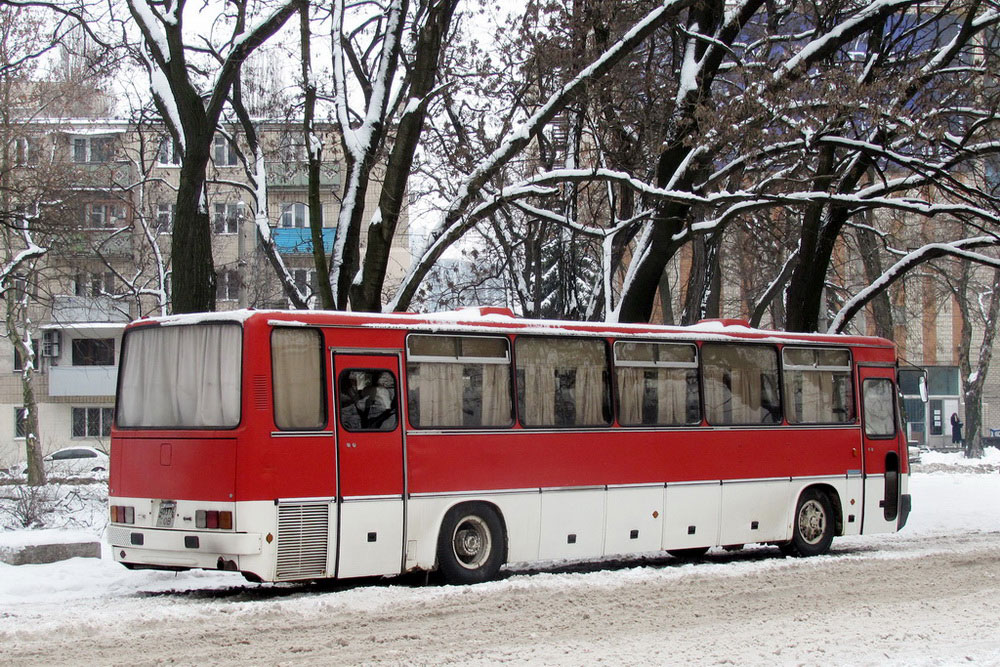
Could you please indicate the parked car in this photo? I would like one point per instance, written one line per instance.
(72, 462)
(915, 452)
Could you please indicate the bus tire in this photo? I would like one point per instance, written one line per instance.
(472, 545)
(691, 554)
(812, 526)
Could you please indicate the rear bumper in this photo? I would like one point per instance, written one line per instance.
(180, 548)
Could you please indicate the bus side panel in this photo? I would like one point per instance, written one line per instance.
(522, 459)
(174, 468)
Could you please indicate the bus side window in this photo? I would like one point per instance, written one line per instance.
(741, 384)
(298, 379)
(368, 399)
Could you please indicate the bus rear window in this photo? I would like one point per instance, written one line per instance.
(181, 377)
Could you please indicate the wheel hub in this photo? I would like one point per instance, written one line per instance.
(812, 522)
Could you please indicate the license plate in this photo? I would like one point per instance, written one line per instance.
(165, 518)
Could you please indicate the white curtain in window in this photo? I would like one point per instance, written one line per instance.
(717, 397)
(182, 376)
(441, 387)
(296, 359)
(589, 394)
(631, 383)
(496, 395)
(671, 394)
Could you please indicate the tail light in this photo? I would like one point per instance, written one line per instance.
(122, 514)
(213, 520)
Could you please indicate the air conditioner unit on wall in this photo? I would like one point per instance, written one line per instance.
(51, 343)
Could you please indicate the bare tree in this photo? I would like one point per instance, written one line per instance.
(191, 106)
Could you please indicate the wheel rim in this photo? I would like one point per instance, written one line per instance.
(471, 542)
(812, 521)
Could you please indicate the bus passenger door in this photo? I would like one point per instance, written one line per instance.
(880, 439)
(369, 464)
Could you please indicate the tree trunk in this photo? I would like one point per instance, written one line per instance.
(868, 246)
(32, 441)
(193, 271)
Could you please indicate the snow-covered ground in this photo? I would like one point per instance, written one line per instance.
(929, 595)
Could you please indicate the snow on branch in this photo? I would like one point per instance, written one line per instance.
(454, 221)
(31, 252)
(961, 249)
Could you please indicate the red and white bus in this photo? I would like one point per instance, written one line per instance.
(305, 445)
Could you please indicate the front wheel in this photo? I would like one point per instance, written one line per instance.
(472, 545)
(812, 529)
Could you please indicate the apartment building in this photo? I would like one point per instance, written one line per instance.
(106, 220)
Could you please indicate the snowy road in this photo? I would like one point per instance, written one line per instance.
(927, 596)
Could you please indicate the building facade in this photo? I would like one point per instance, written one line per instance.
(106, 216)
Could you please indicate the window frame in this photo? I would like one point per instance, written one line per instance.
(460, 360)
(105, 417)
(778, 384)
(18, 360)
(123, 370)
(224, 152)
(653, 365)
(291, 210)
(786, 402)
(893, 401)
(20, 423)
(324, 399)
(375, 372)
(73, 351)
(227, 212)
(607, 402)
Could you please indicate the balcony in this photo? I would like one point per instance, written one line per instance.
(69, 310)
(298, 240)
(82, 380)
(296, 175)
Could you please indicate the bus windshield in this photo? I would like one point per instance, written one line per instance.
(181, 377)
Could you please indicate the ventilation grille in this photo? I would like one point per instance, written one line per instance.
(259, 392)
(302, 540)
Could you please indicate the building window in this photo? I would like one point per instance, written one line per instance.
(20, 422)
(227, 286)
(165, 218)
(24, 286)
(295, 215)
(25, 151)
(223, 152)
(168, 154)
(102, 214)
(94, 352)
(92, 422)
(292, 148)
(226, 218)
(94, 284)
(943, 381)
(92, 149)
(19, 355)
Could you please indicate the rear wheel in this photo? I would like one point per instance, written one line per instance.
(813, 525)
(472, 545)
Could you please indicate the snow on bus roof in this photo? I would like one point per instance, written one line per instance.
(502, 320)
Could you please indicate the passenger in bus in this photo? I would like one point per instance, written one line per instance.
(367, 405)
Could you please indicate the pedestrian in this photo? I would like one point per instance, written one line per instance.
(956, 429)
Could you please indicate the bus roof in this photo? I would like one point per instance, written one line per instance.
(502, 320)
